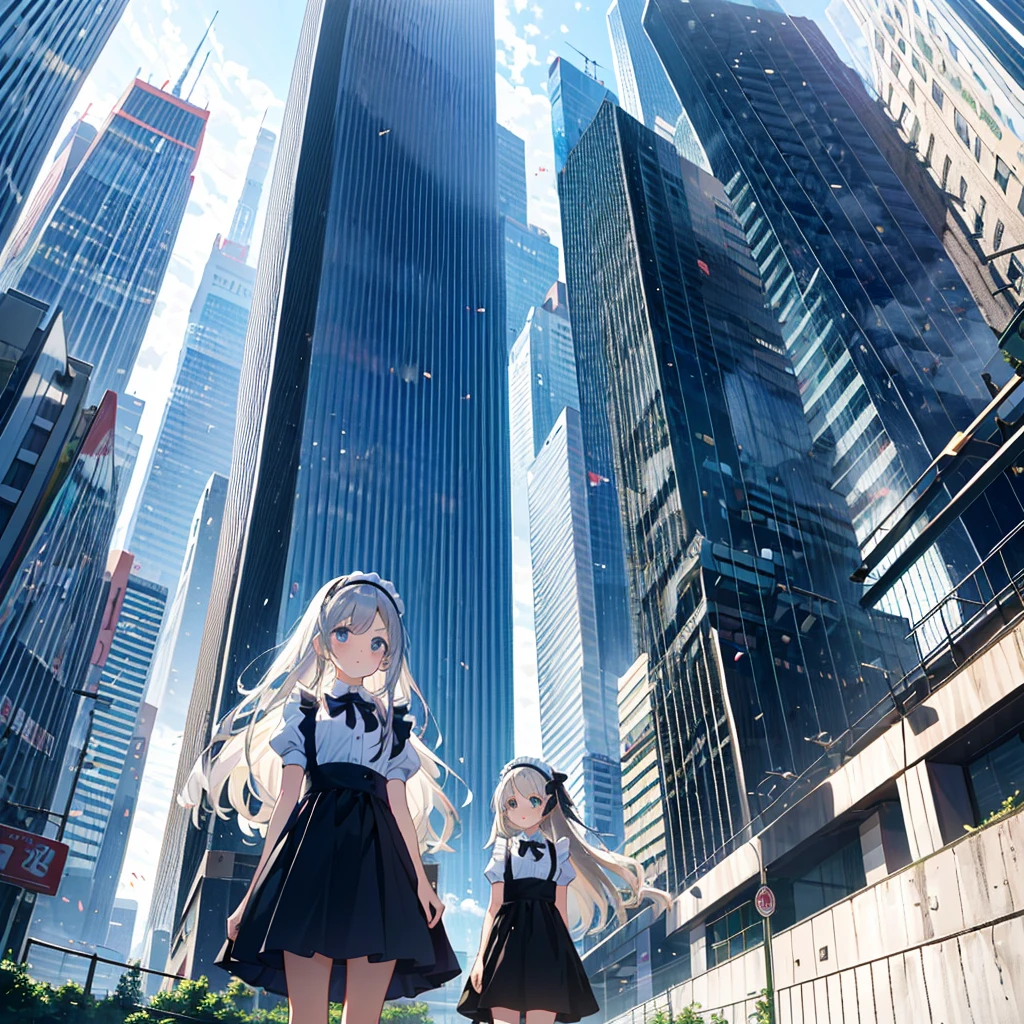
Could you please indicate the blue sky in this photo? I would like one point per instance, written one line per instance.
(246, 81)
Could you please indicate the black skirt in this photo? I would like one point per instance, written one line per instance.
(530, 962)
(341, 883)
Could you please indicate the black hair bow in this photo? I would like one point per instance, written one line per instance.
(351, 703)
(557, 794)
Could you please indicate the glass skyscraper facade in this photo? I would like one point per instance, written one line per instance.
(578, 717)
(182, 709)
(886, 342)
(102, 255)
(644, 89)
(111, 747)
(511, 168)
(379, 439)
(737, 551)
(998, 25)
(48, 617)
(46, 51)
(575, 99)
(198, 424)
(531, 268)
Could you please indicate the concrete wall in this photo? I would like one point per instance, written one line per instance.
(940, 942)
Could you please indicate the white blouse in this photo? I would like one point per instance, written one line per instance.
(528, 866)
(343, 737)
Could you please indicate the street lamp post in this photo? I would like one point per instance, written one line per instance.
(766, 907)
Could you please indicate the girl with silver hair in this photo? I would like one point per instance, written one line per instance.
(547, 883)
(322, 755)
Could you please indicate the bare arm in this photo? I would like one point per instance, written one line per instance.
(497, 898)
(432, 906)
(292, 776)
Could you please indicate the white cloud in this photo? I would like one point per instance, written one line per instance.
(514, 52)
(563, 28)
(531, 30)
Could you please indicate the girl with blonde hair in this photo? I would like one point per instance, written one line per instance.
(322, 755)
(547, 884)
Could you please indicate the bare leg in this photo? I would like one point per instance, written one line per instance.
(309, 982)
(499, 1015)
(366, 985)
(540, 1017)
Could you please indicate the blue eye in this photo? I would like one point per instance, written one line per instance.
(513, 803)
(535, 801)
(378, 643)
(341, 634)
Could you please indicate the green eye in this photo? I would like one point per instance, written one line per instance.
(535, 801)
(513, 804)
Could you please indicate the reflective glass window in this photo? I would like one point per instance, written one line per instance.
(962, 129)
(963, 188)
(918, 66)
(977, 148)
(938, 95)
(1002, 174)
(997, 235)
(996, 776)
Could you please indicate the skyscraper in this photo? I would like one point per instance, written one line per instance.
(531, 261)
(199, 419)
(46, 50)
(541, 382)
(736, 549)
(104, 799)
(102, 255)
(128, 444)
(999, 26)
(578, 715)
(48, 618)
(182, 707)
(373, 429)
(511, 168)
(531, 265)
(947, 100)
(644, 88)
(69, 155)
(887, 344)
(40, 407)
(575, 99)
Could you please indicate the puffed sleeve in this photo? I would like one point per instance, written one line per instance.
(404, 762)
(495, 870)
(288, 740)
(564, 872)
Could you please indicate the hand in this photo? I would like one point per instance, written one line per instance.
(476, 975)
(235, 919)
(429, 901)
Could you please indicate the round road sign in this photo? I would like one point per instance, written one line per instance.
(764, 901)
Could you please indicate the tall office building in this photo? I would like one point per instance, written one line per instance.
(182, 708)
(102, 255)
(737, 550)
(575, 99)
(643, 799)
(104, 798)
(541, 382)
(129, 442)
(373, 432)
(40, 410)
(887, 343)
(950, 102)
(48, 617)
(46, 50)
(511, 167)
(531, 261)
(644, 89)
(578, 718)
(69, 155)
(531, 264)
(199, 419)
(999, 26)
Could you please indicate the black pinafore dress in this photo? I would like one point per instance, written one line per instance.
(530, 962)
(341, 883)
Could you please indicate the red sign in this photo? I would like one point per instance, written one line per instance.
(764, 901)
(30, 861)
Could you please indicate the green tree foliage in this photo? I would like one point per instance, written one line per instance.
(22, 999)
(762, 1010)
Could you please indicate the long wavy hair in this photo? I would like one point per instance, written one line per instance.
(240, 773)
(606, 883)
